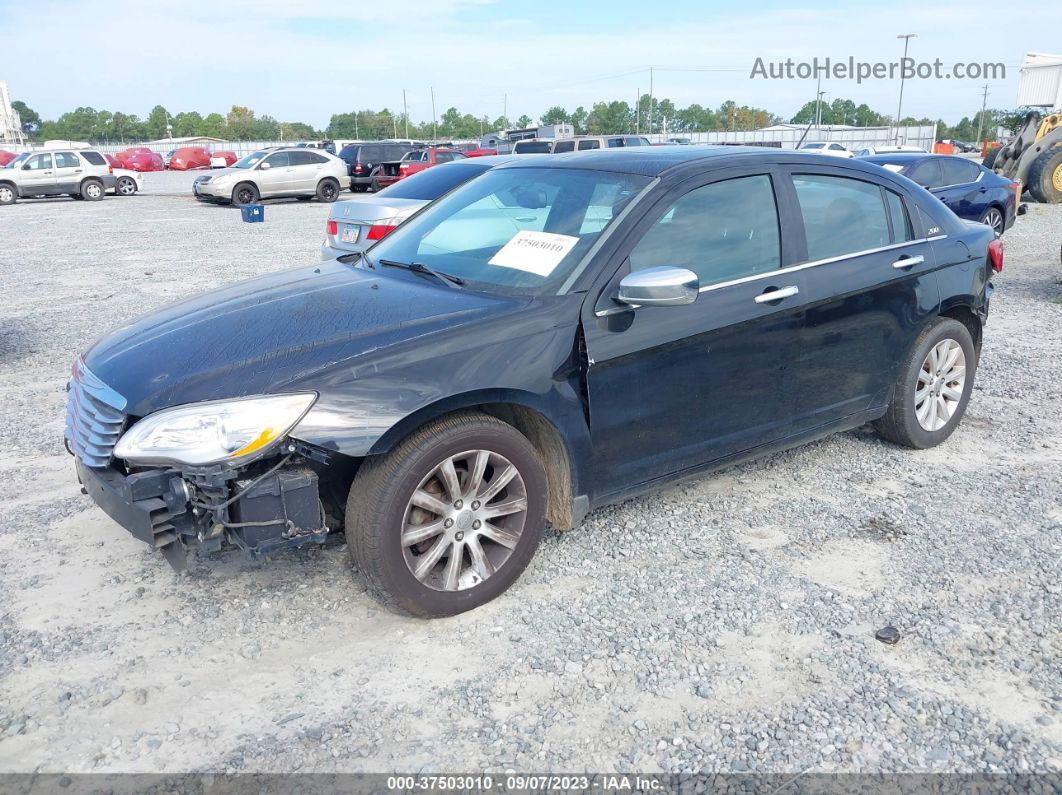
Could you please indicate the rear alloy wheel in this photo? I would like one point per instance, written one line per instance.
(243, 194)
(994, 218)
(934, 386)
(126, 186)
(92, 190)
(449, 519)
(7, 195)
(327, 190)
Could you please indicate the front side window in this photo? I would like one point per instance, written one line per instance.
(38, 162)
(66, 160)
(444, 157)
(614, 142)
(563, 146)
(518, 230)
(278, 160)
(592, 144)
(841, 215)
(723, 231)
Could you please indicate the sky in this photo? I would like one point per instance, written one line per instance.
(303, 60)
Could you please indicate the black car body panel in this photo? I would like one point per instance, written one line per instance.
(634, 397)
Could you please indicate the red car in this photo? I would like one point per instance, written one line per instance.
(188, 158)
(6, 157)
(474, 150)
(227, 156)
(141, 161)
(411, 163)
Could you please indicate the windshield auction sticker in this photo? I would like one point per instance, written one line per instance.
(535, 252)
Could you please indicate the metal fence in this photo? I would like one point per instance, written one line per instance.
(789, 137)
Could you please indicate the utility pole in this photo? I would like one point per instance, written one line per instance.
(899, 107)
(356, 134)
(637, 110)
(405, 113)
(505, 108)
(650, 125)
(818, 102)
(434, 125)
(981, 118)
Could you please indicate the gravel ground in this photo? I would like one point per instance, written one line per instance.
(726, 624)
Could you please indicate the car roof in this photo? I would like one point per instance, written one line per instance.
(655, 161)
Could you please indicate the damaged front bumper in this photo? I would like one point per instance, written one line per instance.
(260, 509)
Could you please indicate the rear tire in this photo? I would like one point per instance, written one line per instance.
(990, 158)
(1045, 176)
(358, 188)
(994, 218)
(245, 193)
(8, 195)
(92, 190)
(327, 190)
(928, 388)
(126, 186)
(76, 197)
(380, 511)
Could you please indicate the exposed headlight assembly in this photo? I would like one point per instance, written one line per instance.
(218, 431)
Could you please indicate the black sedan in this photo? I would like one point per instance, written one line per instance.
(969, 189)
(547, 338)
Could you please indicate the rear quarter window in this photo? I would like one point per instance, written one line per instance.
(95, 158)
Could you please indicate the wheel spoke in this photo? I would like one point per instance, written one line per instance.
(480, 562)
(429, 502)
(453, 566)
(448, 476)
(924, 376)
(475, 477)
(955, 374)
(951, 393)
(943, 412)
(498, 482)
(952, 357)
(427, 561)
(414, 534)
(921, 395)
(504, 508)
(923, 413)
(500, 535)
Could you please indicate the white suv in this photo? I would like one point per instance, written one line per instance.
(80, 174)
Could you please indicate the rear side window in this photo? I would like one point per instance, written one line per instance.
(443, 157)
(841, 215)
(723, 231)
(958, 172)
(371, 154)
(899, 220)
(302, 158)
(434, 182)
(393, 152)
(95, 158)
(614, 142)
(927, 174)
(66, 160)
(594, 144)
(563, 146)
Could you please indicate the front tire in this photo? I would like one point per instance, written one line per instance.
(1045, 176)
(243, 194)
(8, 195)
(930, 396)
(449, 518)
(327, 190)
(92, 190)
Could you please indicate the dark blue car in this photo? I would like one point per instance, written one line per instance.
(554, 335)
(969, 189)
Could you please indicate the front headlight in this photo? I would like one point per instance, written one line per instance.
(213, 432)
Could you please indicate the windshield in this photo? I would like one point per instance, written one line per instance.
(519, 230)
(248, 161)
(813, 146)
(434, 182)
(532, 147)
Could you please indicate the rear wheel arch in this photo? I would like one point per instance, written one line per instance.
(966, 315)
(514, 409)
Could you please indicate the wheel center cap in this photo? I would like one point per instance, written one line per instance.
(464, 520)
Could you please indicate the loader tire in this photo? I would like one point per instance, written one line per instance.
(990, 158)
(1045, 176)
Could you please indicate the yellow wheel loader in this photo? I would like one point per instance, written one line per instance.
(1034, 157)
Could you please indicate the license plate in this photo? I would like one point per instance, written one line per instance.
(350, 233)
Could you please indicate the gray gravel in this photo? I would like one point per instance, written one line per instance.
(726, 624)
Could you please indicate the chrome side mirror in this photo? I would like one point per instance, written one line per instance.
(660, 286)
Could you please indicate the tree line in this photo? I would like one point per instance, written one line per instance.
(649, 115)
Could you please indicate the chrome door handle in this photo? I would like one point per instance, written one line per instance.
(77, 170)
(777, 295)
(907, 262)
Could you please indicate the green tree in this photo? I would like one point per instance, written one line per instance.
(31, 120)
(157, 121)
(556, 115)
(187, 124)
(213, 125)
(524, 122)
(239, 123)
(579, 120)
(501, 123)
(610, 117)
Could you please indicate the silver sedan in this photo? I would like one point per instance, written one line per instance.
(356, 224)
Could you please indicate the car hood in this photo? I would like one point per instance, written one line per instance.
(374, 209)
(257, 336)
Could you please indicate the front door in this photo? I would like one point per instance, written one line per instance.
(673, 388)
(869, 290)
(278, 178)
(38, 175)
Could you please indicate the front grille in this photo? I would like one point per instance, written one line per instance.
(95, 416)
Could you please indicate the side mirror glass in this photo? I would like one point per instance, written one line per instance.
(264, 166)
(660, 286)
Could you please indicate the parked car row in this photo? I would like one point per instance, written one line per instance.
(79, 173)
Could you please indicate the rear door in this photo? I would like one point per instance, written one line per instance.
(672, 388)
(963, 189)
(306, 168)
(69, 171)
(38, 175)
(869, 288)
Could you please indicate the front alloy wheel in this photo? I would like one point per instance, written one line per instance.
(941, 384)
(464, 520)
